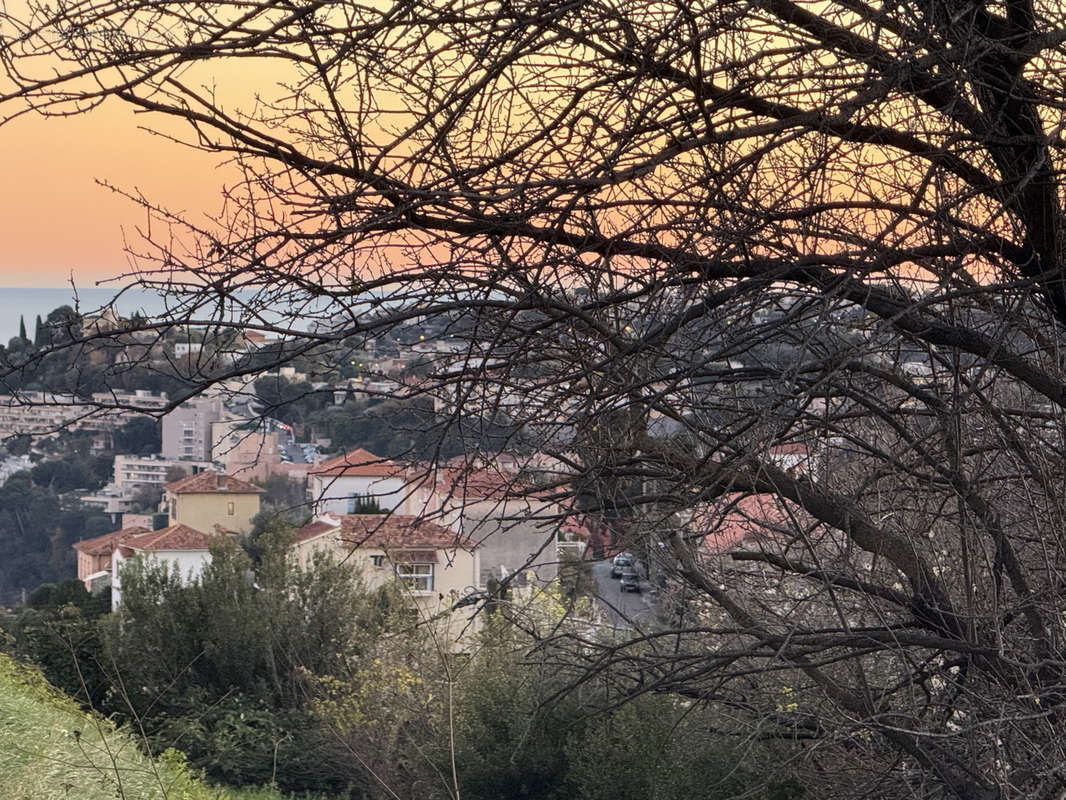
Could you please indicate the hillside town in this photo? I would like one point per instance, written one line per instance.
(533, 400)
(199, 474)
(219, 465)
(446, 492)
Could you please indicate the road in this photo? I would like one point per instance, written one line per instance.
(627, 609)
(289, 448)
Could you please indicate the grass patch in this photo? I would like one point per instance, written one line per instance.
(52, 750)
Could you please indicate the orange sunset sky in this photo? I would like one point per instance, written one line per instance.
(56, 221)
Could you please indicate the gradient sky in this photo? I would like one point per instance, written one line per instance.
(56, 221)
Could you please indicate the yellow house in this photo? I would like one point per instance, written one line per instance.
(436, 566)
(209, 501)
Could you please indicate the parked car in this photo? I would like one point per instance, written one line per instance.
(630, 581)
(621, 561)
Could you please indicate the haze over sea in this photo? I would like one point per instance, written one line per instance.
(16, 301)
(28, 302)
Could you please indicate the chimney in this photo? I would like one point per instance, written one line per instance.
(220, 481)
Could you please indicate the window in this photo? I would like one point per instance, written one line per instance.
(377, 561)
(418, 577)
(229, 508)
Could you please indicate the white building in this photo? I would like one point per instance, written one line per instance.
(138, 398)
(134, 472)
(186, 349)
(178, 548)
(13, 464)
(338, 485)
(112, 499)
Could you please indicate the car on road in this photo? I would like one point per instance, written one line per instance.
(621, 561)
(630, 581)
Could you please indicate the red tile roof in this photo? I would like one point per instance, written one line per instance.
(314, 529)
(389, 532)
(176, 537)
(359, 463)
(106, 544)
(734, 518)
(209, 482)
(486, 483)
(576, 529)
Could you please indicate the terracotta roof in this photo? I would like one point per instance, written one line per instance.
(209, 482)
(389, 532)
(106, 544)
(360, 463)
(576, 529)
(479, 484)
(736, 517)
(313, 530)
(176, 537)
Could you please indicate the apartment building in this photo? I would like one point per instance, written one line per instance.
(39, 413)
(187, 429)
(138, 398)
(246, 448)
(134, 472)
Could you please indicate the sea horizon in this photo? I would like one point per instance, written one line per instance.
(29, 302)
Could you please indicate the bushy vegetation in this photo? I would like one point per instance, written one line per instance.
(526, 728)
(219, 668)
(222, 668)
(59, 359)
(268, 673)
(51, 748)
(409, 428)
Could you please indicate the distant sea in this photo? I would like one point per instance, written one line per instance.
(25, 302)
(17, 301)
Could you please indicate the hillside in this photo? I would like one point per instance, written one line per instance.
(49, 749)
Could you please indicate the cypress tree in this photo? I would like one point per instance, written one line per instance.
(38, 332)
(22, 327)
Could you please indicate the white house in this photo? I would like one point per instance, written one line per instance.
(516, 529)
(186, 349)
(178, 547)
(338, 485)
